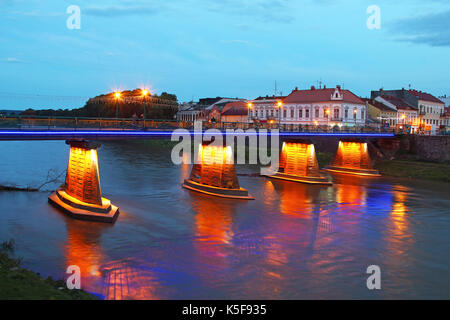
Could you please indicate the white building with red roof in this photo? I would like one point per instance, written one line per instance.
(324, 106)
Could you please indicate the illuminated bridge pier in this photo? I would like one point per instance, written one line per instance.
(352, 157)
(298, 163)
(214, 174)
(80, 196)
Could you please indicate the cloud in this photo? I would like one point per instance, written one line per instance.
(12, 60)
(432, 29)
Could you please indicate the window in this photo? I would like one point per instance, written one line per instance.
(355, 111)
(317, 113)
(362, 114)
(346, 113)
(292, 113)
(284, 113)
(300, 113)
(307, 113)
(336, 113)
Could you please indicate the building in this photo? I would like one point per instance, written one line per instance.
(236, 112)
(383, 114)
(395, 113)
(429, 108)
(324, 106)
(264, 109)
(202, 109)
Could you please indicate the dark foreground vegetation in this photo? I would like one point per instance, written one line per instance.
(17, 283)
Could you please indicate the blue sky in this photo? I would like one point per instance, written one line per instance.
(233, 48)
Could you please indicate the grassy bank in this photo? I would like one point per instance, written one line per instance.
(17, 283)
(415, 170)
(403, 168)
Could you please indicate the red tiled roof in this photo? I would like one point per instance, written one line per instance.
(321, 95)
(238, 108)
(399, 103)
(424, 96)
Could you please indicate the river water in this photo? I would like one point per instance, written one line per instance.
(294, 241)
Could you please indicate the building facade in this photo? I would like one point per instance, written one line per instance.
(325, 106)
(431, 110)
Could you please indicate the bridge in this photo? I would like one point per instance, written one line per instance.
(80, 196)
(63, 128)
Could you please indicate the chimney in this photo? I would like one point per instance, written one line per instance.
(324, 86)
(338, 87)
(296, 89)
(313, 88)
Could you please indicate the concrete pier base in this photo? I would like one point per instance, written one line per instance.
(240, 193)
(106, 212)
(354, 171)
(321, 180)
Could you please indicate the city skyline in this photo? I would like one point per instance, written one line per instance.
(228, 48)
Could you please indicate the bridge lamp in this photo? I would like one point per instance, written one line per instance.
(117, 95)
(249, 105)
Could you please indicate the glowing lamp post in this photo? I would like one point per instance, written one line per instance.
(145, 93)
(250, 107)
(279, 106)
(327, 114)
(117, 96)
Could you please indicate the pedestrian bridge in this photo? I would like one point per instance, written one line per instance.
(40, 134)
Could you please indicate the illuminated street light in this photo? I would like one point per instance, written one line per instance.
(145, 93)
(117, 96)
(279, 105)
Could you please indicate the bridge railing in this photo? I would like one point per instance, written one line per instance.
(85, 123)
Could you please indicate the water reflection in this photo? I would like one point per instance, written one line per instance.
(294, 242)
(113, 280)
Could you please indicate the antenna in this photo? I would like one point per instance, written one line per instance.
(275, 91)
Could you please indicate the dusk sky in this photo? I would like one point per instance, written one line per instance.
(231, 48)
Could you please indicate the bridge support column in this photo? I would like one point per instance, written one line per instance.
(214, 174)
(298, 163)
(80, 196)
(352, 157)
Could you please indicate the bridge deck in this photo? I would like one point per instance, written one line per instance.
(9, 135)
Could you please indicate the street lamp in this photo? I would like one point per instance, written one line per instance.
(327, 112)
(145, 93)
(117, 96)
(279, 105)
(249, 106)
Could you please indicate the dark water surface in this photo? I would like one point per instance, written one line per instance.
(294, 241)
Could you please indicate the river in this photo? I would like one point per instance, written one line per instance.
(294, 241)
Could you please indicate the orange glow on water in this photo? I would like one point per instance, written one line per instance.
(82, 178)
